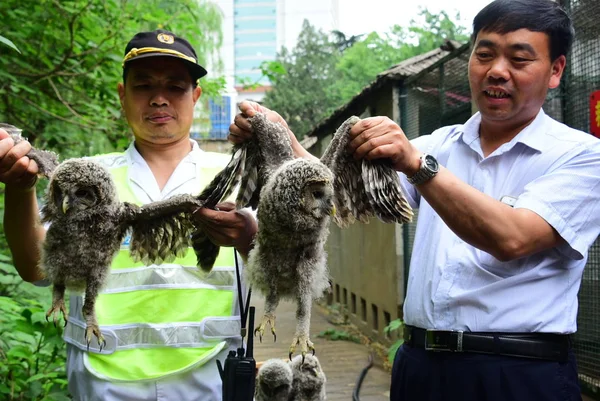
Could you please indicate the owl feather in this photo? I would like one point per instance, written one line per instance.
(87, 224)
(45, 160)
(295, 200)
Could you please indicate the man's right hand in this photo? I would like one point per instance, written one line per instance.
(16, 169)
(241, 130)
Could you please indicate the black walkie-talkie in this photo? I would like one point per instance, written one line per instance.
(238, 375)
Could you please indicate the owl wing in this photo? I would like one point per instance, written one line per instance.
(160, 231)
(363, 188)
(46, 160)
(250, 166)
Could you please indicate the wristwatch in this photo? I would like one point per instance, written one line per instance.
(429, 168)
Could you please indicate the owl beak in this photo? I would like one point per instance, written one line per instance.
(65, 204)
(333, 210)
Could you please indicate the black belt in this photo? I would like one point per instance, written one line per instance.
(546, 346)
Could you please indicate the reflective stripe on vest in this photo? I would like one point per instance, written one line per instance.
(158, 320)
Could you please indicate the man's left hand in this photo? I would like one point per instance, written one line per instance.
(227, 226)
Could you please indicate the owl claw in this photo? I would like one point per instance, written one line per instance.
(305, 345)
(57, 306)
(95, 330)
(267, 319)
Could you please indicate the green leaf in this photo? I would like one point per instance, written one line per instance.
(39, 376)
(57, 397)
(20, 353)
(393, 349)
(9, 43)
(395, 324)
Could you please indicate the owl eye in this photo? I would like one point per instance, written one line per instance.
(318, 194)
(85, 193)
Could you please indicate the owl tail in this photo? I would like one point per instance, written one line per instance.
(206, 252)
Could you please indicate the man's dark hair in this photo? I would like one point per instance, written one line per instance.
(547, 16)
(126, 70)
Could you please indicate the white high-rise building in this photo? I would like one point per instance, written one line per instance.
(253, 32)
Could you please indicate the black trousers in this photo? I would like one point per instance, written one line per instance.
(420, 375)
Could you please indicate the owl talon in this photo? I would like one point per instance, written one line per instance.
(267, 319)
(305, 345)
(57, 306)
(257, 331)
(95, 330)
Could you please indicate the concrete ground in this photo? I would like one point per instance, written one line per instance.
(342, 361)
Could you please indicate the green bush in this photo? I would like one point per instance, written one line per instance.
(32, 351)
(395, 325)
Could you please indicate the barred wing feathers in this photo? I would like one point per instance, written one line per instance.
(363, 188)
(251, 164)
(160, 231)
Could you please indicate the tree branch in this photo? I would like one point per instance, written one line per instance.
(67, 105)
(53, 114)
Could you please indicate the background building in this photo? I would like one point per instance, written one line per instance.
(253, 32)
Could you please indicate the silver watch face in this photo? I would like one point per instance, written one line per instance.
(431, 163)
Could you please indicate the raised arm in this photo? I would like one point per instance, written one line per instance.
(475, 217)
(240, 129)
(24, 232)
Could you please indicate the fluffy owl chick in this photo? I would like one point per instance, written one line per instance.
(274, 381)
(309, 379)
(288, 259)
(87, 226)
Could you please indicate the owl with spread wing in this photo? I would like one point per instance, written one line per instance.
(87, 226)
(296, 199)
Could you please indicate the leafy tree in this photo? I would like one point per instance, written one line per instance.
(302, 93)
(356, 62)
(61, 89)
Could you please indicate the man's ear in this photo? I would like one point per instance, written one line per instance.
(197, 93)
(121, 90)
(558, 66)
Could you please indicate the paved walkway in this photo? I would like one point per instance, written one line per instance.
(342, 361)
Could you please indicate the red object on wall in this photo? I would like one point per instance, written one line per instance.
(595, 113)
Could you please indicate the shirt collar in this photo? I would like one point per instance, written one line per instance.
(533, 136)
(133, 156)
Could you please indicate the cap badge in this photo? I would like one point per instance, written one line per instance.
(165, 38)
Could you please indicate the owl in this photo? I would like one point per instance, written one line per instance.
(274, 381)
(87, 224)
(301, 379)
(296, 199)
(46, 160)
(309, 382)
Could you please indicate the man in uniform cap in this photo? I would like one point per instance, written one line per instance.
(167, 324)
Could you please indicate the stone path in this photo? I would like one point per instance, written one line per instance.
(342, 361)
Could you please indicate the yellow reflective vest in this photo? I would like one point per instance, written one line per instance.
(158, 320)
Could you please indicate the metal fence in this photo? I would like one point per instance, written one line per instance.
(441, 97)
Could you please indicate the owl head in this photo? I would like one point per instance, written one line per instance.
(301, 191)
(274, 381)
(309, 378)
(77, 186)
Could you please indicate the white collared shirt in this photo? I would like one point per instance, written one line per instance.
(202, 382)
(548, 168)
(184, 180)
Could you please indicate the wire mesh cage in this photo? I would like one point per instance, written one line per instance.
(581, 80)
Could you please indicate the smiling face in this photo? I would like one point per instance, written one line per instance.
(158, 99)
(510, 75)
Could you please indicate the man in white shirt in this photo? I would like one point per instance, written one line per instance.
(509, 205)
